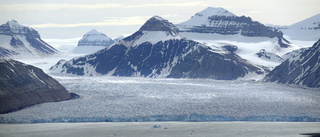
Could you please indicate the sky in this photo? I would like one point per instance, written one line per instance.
(71, 19)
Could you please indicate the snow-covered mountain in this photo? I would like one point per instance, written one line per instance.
(20, 41)
(221, 21)
(95, 38)
(220, 27)
(307, 30)
(157, 49)
(302, 69)
(92, 41)
(23, 85)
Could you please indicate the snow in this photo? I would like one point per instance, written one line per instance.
(5, 41)
(202, 17)
(248, 46)
(105, 98)
(16, 27)
(153, 37)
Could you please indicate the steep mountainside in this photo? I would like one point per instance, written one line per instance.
(158, 50)
(303, 69)
(20, 41)
(23, 85)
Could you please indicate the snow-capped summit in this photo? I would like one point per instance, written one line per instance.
(156, 23)
(214, 11)
(158, 50)
(95, 38)
(153, 30)
(13, 27)
(17, 40)
(201, 18)
(223, 22)
(92, 41)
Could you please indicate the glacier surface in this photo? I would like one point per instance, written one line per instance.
(126, 99)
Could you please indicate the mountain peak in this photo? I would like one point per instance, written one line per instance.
(157, 23)
(214, 11)
(93, 31)
(95, 38)
(12, 27)
(15, 26)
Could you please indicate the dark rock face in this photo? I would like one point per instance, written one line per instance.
(18, 34)
(23, 85)
(302, 70)
(230, 48)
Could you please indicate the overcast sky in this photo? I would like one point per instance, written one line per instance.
(72, 18)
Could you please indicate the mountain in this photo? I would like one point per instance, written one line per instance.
(221, 21)
(157, 49)
(303, 69)
(23, 85)
(95, 38)
(20, 41)
(220, 27)
(306, 30)
(92, 41)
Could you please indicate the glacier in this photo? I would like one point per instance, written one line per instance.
(131, 99)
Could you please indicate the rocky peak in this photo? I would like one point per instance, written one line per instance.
(14, 28)
(156, 23)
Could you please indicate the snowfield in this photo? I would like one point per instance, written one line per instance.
(116, 99)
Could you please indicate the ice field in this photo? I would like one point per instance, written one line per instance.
(126, 99)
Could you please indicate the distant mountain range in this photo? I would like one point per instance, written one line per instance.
(157, 49)
(20, 41)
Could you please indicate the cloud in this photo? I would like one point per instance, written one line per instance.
(108, 21)
(53, 6)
